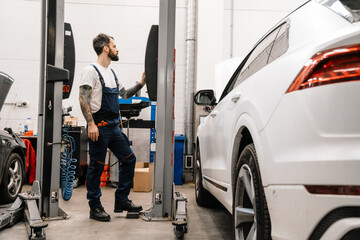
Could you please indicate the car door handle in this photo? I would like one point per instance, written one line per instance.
(213, 114)
(236, 97)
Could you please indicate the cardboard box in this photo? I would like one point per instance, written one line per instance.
(143, 177)
(72, 121)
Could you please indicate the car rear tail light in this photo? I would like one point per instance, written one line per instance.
(333, 190)
(331, 66)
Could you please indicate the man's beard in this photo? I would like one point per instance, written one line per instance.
(113, 56)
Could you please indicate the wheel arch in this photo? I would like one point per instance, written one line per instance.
(242, 139)
(247, 133)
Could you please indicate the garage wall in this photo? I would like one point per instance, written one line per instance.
(128, 21)
(230, 28)
(20, 57)
(227, 28)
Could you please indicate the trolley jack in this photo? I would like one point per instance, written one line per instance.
(25, 206)
(180, 215)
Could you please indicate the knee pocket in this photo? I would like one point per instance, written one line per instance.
(130, 158)
(99, 166)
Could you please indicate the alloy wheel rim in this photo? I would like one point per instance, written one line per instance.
(245, 206)
(14, 183)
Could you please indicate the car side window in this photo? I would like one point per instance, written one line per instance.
(230, 85)
(263, 52)
(281, 43)
(270, 48)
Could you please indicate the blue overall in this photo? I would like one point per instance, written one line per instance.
(110, 137)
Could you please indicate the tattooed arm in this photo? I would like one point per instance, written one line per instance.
(84, 95)
(128, 93)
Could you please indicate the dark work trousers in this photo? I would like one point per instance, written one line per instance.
(110, 137)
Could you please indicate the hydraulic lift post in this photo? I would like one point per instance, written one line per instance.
(166, 203)
(163, 164)
(52, 77)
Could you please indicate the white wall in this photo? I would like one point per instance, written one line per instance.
(128, 21)
(19, 57)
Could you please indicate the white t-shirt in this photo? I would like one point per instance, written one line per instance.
(91, 78)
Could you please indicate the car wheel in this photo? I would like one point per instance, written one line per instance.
(13, 178)
(251, 215)
(203, 197)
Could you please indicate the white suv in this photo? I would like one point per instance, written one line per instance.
(281, 148)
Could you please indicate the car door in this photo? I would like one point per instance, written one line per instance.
(225, 115)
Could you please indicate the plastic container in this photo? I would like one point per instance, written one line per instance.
(27, 125)
(178, 158)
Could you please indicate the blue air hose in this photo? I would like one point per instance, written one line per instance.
(67, 167)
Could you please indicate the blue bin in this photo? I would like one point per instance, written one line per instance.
(178, 158)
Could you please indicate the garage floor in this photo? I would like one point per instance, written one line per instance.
(203, 223)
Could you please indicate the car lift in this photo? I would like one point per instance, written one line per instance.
(166, 203)
(42, 203)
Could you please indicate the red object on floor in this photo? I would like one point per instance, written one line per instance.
(105, 176)
(30, 160)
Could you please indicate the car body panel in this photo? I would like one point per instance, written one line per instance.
(315, 145)
(306, 137)
(9, 141)
(8, 145)
(288, 202)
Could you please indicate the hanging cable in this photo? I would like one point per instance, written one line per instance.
(67, 164)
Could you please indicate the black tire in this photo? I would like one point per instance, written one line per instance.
(202, 196)
(13, 178)
(250, 211)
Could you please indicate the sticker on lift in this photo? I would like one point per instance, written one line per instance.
(158, 198)
(54, 197)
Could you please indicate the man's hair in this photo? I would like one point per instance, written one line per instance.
(100, 41)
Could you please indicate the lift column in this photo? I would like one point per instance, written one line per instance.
(52, 76)
(164, 168)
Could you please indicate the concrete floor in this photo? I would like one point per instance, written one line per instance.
(203, 223)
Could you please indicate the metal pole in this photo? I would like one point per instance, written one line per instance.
(164, 168)
(40, 140)
(50, 107)
(57, 111)
(190, 74)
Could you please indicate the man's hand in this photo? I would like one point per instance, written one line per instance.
(143, 80)
(128, 93)
(93, 132)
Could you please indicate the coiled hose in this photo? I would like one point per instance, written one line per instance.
(67, 167)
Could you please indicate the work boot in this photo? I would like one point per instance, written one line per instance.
(127, 206)
(99, 214)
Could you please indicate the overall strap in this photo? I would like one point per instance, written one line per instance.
(116, 80)
(100, 76)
